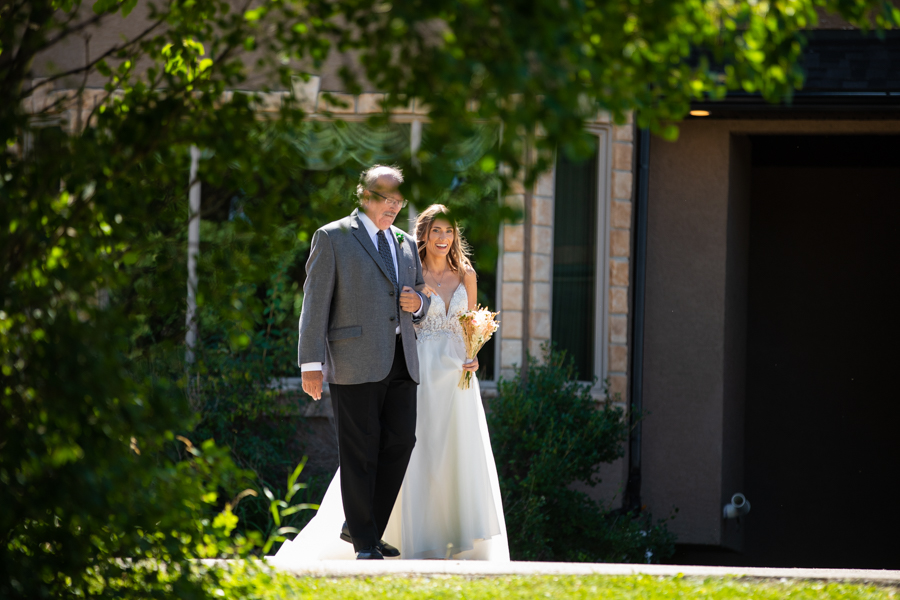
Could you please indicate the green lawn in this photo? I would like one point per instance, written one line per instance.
(282, 587)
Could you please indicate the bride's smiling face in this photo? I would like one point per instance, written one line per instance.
(440, 237)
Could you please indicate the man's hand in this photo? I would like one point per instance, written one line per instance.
(410, 301)
(312, 383)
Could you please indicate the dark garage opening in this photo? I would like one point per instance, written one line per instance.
(822, 453)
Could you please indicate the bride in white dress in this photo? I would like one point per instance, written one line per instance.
(449, 505)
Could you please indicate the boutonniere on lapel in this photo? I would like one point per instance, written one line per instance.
(400, 238)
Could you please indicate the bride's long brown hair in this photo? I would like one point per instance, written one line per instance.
(459, 249)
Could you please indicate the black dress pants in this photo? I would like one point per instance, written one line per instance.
(376, 431)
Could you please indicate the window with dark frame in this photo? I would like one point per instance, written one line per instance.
(575, 261)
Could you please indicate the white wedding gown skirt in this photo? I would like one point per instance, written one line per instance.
(450, 500)
(449, 505)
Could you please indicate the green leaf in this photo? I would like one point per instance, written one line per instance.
(225, 520)
(297, 508)
(128, 6)
(670, 133)
(104, 6)
(292, 479)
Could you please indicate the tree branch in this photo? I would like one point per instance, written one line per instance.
(95, 20)
(103, 56)
(31, 28)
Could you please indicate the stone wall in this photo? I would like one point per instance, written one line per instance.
(616, 187)
(622, 186)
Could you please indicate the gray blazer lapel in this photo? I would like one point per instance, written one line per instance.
(363, 237)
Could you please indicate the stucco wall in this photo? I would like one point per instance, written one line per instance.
(684, 324)
(693, 362)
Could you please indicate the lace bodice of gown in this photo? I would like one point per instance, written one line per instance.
(443, 322)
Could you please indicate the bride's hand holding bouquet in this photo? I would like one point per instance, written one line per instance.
(478, 326)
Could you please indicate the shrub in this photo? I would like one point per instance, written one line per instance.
(548, 433)
(232, 392)
(91, 505)
(239, 406)
(95, 488)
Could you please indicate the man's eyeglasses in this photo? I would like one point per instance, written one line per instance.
(391, 201)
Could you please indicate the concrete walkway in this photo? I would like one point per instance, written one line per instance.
(417, 568)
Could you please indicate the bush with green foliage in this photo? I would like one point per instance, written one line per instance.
(235, 400)
(549, 432)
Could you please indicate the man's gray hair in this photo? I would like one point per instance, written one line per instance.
(369, 177)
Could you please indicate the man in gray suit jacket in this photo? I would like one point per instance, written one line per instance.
(361, 298)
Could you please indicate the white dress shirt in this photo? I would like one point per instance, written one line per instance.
(372, 230)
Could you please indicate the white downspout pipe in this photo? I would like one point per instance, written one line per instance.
(415, 142)
(193, 249)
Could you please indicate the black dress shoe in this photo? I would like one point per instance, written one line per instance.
(370, 553)
(382, 546)
(345, 533)
(387, 550)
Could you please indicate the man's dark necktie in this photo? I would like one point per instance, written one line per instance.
(385, 253)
